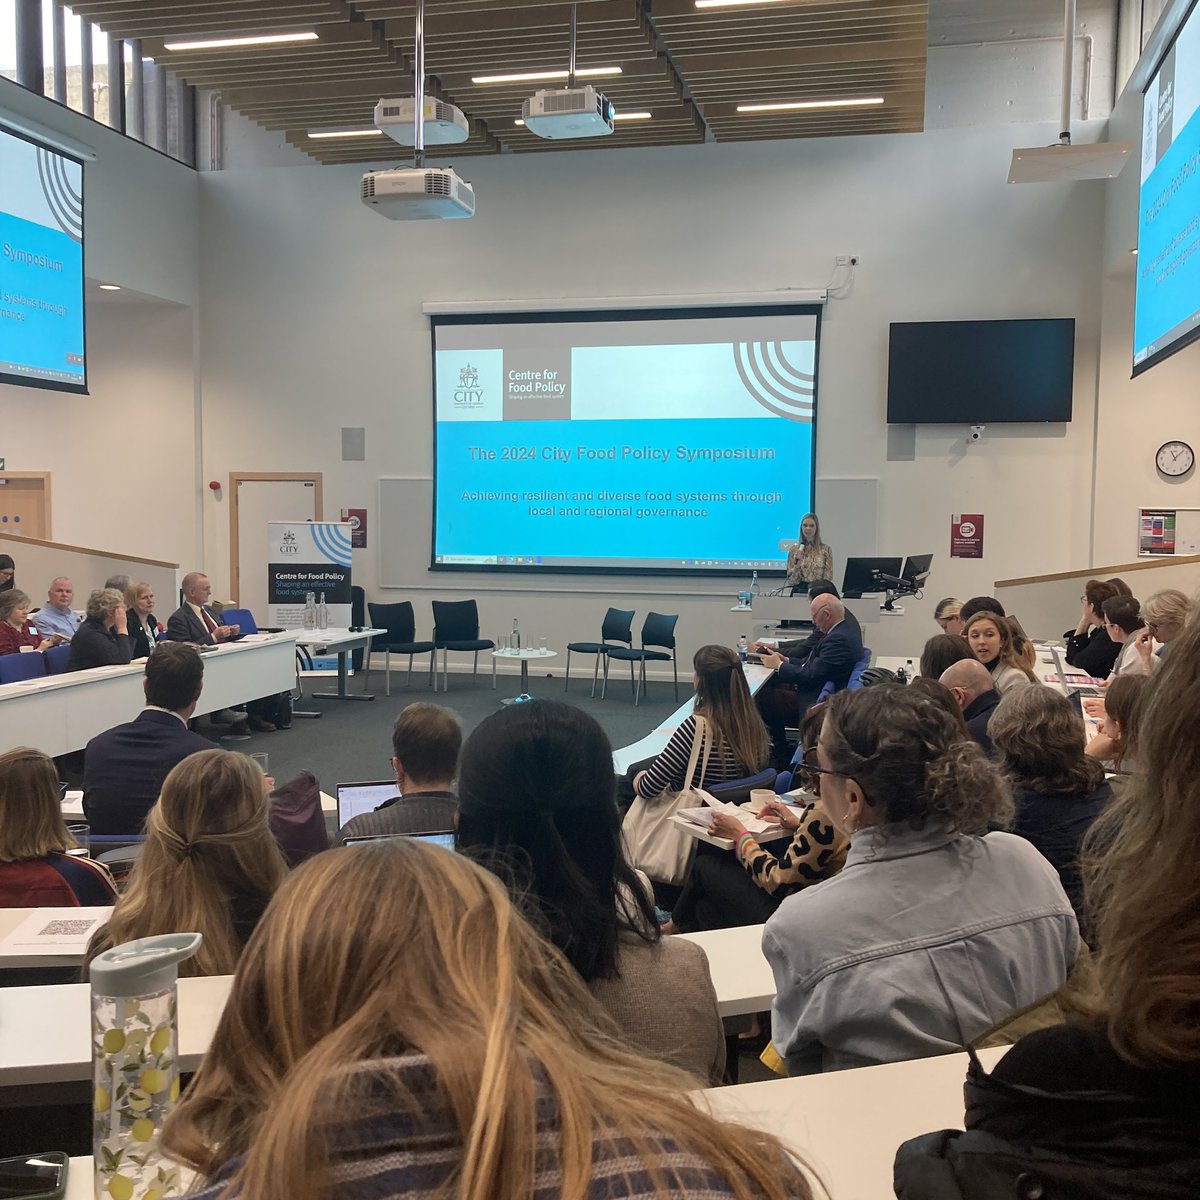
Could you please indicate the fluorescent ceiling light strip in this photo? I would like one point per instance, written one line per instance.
(535, 76)
(629, 116)
(344, 133)
(110, 287)
(795, 105)
(738, 3)
(262, 39)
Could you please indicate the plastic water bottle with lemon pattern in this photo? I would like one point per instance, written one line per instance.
(135, 1033)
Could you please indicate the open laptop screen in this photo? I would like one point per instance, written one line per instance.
(353, 799)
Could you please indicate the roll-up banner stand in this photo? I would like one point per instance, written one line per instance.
(308, 556)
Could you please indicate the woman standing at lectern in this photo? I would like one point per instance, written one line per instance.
(810, 558)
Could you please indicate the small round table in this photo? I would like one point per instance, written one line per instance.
(524, 656)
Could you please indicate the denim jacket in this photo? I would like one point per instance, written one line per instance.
(924, 941)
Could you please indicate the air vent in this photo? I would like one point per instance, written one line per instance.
(368, 187)
(561, 102)
(437, 184)
(390, 110)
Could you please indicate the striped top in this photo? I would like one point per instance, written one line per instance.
(666, 772)
(415, 1151)
(55, 881)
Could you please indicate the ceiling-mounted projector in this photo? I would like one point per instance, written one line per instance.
(418, 194)
(569, 113)
(444, 123)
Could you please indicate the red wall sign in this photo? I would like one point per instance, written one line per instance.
(966, 536)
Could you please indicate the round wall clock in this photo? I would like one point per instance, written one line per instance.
(1174, 459)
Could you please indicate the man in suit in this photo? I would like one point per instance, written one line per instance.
(124, 768)
(801, 648)
(798, 682)
(194, 621)
(974, 687)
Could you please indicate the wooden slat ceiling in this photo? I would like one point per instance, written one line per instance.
(689, 67)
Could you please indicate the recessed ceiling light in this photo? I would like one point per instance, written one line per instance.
(1134, 250)
(793, 105)
(110, 287)
(264, 39)
(344, 133)
(534, 76)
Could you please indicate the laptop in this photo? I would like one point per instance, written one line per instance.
(443, 838)
(1075, 684)
(354, 799)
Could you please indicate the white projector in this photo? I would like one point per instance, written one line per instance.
(444, 123)
(418, 194)
(569, 113)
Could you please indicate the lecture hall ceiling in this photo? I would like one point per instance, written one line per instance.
(689, 67)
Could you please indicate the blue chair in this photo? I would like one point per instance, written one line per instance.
(617, 627)
(737, 791)
(855, 680)
(401, 624)
(17, 667)
(456, 627)
(243, 618)
(56, 659)
(658, 630)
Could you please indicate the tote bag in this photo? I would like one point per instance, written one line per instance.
(653, 842)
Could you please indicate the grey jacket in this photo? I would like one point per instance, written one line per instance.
(924, 941)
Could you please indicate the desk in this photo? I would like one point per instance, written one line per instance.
(11, 918)
(655, 742)
(849, 1124)
(61, 713)
(821, 1117)
(343, 641)
(740, 972)
(72, 810)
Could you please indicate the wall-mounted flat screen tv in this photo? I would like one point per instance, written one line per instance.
(980, 372)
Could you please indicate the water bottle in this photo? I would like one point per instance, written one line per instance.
(310, 610)
(743, 647)
(754, 581)
(135, 1059)
(516, 638)
(322, 613)
(912, 673)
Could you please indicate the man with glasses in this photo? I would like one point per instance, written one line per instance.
(426, 741)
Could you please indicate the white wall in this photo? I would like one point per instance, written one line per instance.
(311, 320)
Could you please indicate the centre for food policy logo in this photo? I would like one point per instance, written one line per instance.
(288, 545)
(468, 394)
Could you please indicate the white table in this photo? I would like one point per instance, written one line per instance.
(11, 918)
(343, 641)
(849, 1124)
(61, 713)
(655, 742)
(740, 972)
(72, 810)
(524, 656)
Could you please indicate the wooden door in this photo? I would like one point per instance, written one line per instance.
(259, 497)
(25, 504)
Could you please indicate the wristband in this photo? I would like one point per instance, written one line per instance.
(741, 842)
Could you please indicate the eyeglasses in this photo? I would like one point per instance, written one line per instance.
(809, 761)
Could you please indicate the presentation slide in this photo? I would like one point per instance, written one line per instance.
(624, 442)
(1167, 306)
(41, 266)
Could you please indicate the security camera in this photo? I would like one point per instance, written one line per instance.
(976, 434)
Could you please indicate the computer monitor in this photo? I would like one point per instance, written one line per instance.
(916, 569)
(859, 578)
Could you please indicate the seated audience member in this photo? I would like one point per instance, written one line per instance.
(972, 686)
(35, 869)
(991, 640)
(119, 583)
(429, 1043)
(941, 651)
(1166, 614)
(209, 863)
(1104, 1105)
(103, 638)
(719, 893)
(948, 615)
(1111, 744)
(194, 621)
(8, 570)
(1122, 619)
(797, 682)
(144, 631)
(802, 647)
(124, 767)
(979, 604)
(737, 745)
(1059, 789)
(536, 797)
(935, 930)
(943, 698)
(1123, 589)
(56, 615)
(1090, 648)
(17, 632)
(426, 741)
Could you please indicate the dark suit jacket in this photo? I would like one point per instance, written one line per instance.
(139, 640)
(834, 659)
(124, 768)
(184, 626)
(95, 646)
(977, 714)
(803, 647)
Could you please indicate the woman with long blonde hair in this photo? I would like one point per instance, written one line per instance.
(810, 558)
(429, 1043)
(209, 863)
(994, 643)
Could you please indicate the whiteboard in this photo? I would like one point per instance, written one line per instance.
(405, 531)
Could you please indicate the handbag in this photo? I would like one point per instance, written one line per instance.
(653, 842)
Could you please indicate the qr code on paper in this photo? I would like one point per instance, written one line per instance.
(66, 928)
